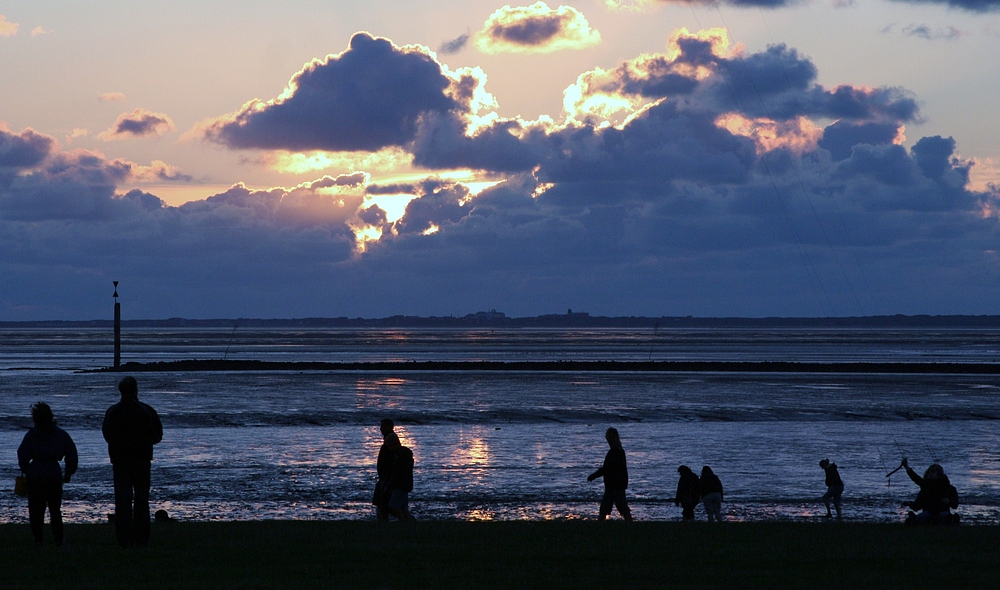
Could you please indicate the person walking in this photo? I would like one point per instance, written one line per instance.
(384, 469)
(38, 456)
(834, 487)
(710, 489)
(615, 474)
(131, 428)
(401, 483)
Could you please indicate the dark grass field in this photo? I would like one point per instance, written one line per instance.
(563, 554)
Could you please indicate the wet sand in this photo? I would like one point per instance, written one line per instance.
(568, 366)
(560, 554)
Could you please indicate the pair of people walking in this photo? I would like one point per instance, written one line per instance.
(130, 428)
(690, 490)
(395, 476)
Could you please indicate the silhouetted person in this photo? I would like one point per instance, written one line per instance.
(131, 428)
(710, 487)
(936, 497)
(383, 468)
(41, 450)
(834, 487)
(401, 483)
(615, 474)
(688, 494)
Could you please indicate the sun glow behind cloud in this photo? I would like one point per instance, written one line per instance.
(385, 160)
(799, 135)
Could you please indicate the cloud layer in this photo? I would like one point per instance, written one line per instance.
(978, 6)
(700, 180)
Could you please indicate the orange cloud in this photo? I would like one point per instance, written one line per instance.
(111, 97)
(7, 28)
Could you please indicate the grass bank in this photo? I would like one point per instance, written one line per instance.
(567, 554)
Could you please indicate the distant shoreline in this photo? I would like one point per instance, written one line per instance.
(562, 366)
(494, 319)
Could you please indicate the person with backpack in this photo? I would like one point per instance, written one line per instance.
(400, 483)
(383, 469)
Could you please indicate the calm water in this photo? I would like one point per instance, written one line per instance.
(243, 446)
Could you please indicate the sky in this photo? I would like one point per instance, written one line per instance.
(332, 158)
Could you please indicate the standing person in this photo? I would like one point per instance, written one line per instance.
(38, 457)
(383, 469)
(711, 494)
(131, 428)
(615, 474)
(687, 492)
(834, 487)
(401, 483)
(936, 497)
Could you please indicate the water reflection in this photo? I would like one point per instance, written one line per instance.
(383, 393)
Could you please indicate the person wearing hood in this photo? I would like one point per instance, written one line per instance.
(688, 492)
(936, 499)
(41, 450)
(131, 428)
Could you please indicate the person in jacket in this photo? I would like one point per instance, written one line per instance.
(834, 487)
(687, 492)
(936, 499)
(131, 428)
(710, 489)
(615, 474)
(384, 467)
(38, 456)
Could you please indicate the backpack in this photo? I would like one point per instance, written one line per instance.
(402, 470)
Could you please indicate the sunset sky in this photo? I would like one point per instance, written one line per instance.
(347, 158)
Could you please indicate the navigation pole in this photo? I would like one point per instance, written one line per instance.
(118, 329)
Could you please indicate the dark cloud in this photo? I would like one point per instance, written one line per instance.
(535, 28)
(840, 137)
(437, 206)
(741, 3)
(371, 96)
(455, 45)
(778, 83)
(72, 185)
(925, 32)
(970, 5)
(663, 143)
(528, 31)
(138, 123)
(19, 151)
